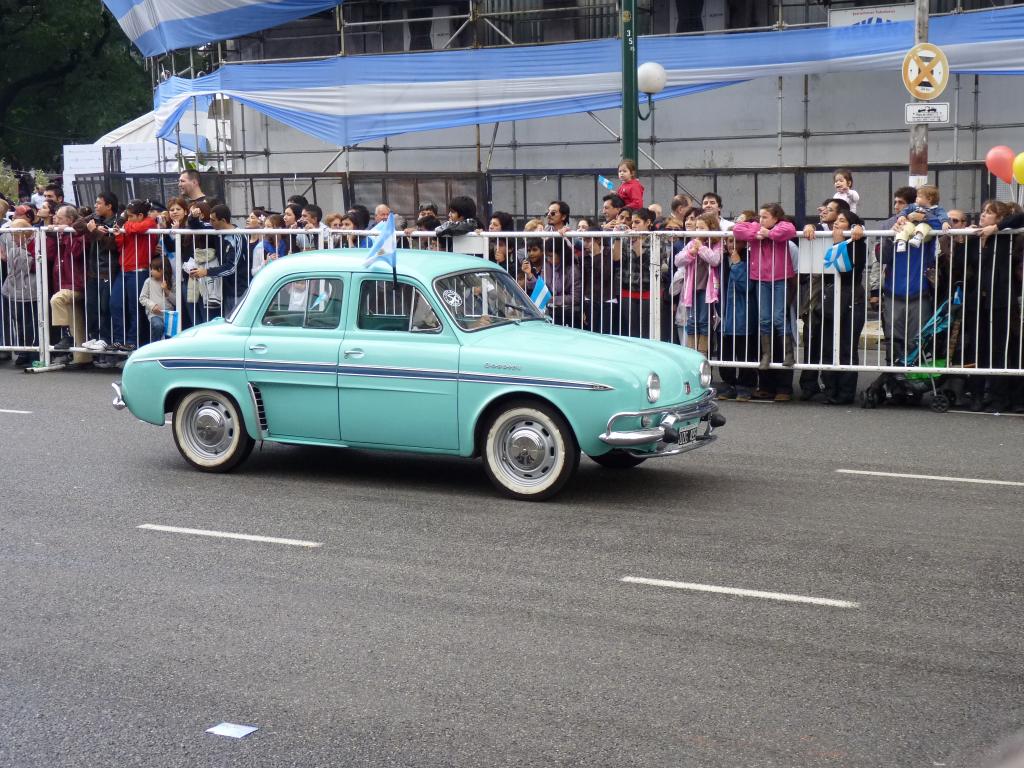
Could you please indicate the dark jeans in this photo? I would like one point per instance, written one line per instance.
(771, 299)
(604, 317)
(842, 385)
(635, 318)
(127, 316)
(24, 332)
(97, 309)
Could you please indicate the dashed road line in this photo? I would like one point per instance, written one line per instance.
(741, 592)
(939, 478)
(20, 413)
(226, 535)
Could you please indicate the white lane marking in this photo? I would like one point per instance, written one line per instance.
(941, 478)
(8, 410)
(741, 592)
(224, 535)
(985, 413)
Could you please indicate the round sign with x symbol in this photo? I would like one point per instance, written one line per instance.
(925, 71)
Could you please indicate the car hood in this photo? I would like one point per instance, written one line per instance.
(537, 348)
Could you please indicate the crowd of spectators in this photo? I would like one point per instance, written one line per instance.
(736, 296)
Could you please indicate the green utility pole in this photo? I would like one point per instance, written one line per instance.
(627, 33)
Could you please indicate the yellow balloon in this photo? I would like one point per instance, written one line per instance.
(1018, 168)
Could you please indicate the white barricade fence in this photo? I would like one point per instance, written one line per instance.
(830, 305)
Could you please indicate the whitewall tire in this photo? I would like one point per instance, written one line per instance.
(209, 431)
(529, 451)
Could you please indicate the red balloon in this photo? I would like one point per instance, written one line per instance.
(999, 161)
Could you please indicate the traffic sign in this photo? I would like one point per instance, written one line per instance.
(933, 112)
(925, 71)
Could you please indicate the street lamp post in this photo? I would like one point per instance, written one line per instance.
(627, 35)
(649, 79)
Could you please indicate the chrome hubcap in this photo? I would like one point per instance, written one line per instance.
(208, 428)
(527, 450)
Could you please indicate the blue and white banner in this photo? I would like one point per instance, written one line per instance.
(159, 26)
(541, 294)
(349, 100)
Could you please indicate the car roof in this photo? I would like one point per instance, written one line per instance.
(419, 264)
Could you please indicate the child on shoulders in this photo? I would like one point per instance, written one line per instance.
(917, 222)
(631, 190)
(843, 179)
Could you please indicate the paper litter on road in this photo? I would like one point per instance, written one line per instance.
(234, 730)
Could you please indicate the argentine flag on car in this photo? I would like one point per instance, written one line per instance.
(384, 244)
(541, 293)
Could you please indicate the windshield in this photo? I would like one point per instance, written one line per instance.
(480, 299)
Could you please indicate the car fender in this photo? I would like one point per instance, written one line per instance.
(150, 393)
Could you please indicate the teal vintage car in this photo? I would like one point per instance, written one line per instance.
(445, 355)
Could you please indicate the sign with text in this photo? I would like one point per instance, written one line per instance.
(931, 112)
(878, 14)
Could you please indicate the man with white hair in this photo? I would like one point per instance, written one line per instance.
(67, 304)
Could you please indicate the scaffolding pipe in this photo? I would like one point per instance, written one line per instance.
(807, 118)
(614, 140)
(611, 132)
(245, 154)
(490, 152)
(780, 159)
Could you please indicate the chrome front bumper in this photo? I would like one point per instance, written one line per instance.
(118, 399)
(666, 438)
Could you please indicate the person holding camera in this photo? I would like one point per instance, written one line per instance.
(101, 268)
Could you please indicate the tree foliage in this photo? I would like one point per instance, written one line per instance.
(68, 74)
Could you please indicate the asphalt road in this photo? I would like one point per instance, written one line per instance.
(441, 625)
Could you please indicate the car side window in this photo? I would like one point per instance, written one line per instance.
(384, 306)
(306, 304)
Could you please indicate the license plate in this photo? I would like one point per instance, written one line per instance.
(687, 435)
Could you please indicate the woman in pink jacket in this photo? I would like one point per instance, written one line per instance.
(770, 266)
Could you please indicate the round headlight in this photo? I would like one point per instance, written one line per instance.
(653, 388)
(705, 374)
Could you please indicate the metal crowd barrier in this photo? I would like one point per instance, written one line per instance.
(949, 306)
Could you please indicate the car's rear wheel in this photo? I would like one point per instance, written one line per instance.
(530, 453)
(209, 431)
(618, 460)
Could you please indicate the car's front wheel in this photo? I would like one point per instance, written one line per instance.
(209, 431)
(529, 453)
(618, 460)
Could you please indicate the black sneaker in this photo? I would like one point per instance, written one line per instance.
(63, 345)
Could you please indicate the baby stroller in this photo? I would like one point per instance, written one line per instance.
(937, 336)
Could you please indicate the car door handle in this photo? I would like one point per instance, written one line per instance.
(258, 348)
(354, 353)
